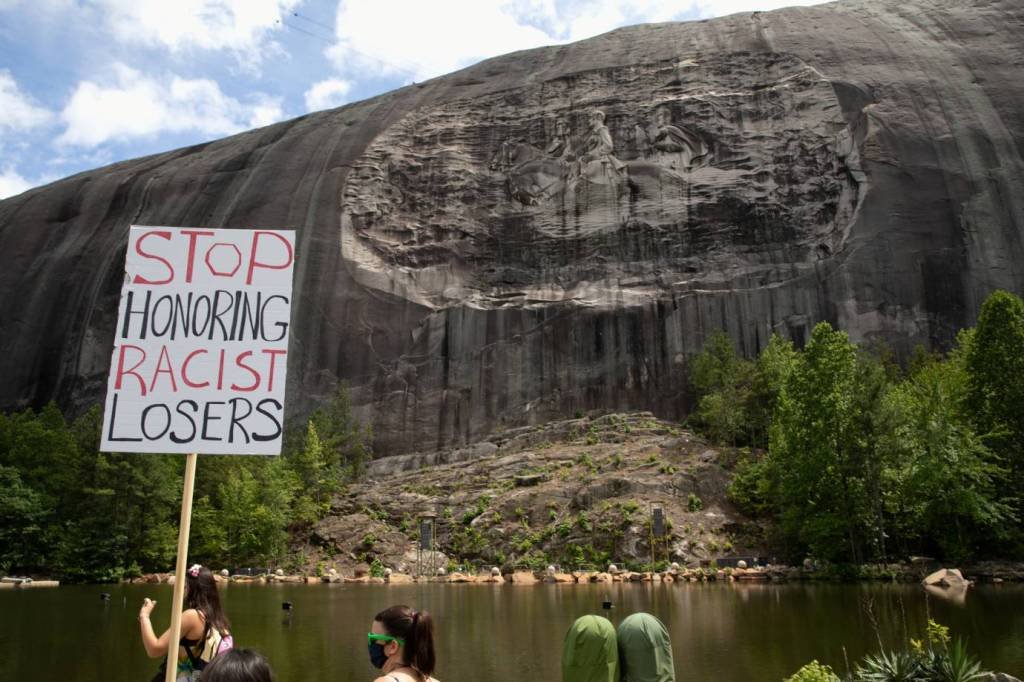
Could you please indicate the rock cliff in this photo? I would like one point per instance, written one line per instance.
(558, 229)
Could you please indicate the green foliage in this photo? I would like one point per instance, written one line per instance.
(811, 421)
(736, 397)
(346, 442)
(994, 358)
(73, 512)
(937, 661)
(944, 479)
(889, 666)
(750, 489)
(865, 463)
(953, 664)
(376, 569)
(583, 522)
(694, 503)
(814, 672)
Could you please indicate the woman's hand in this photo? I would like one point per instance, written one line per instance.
(147, 608)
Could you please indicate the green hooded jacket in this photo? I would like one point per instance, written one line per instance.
(645, 650)
(589, 653)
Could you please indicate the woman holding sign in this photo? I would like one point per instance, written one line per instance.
(205, 630)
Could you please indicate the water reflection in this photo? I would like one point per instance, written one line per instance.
(719, 631)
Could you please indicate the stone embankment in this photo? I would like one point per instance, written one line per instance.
(904, 572)
(12, 582)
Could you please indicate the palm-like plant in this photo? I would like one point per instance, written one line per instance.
(953, 664)
(890, 666)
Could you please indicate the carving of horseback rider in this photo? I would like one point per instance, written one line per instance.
(597, 146)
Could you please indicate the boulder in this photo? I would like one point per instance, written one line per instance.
(946, 577)
(399, 579)
(524, 578)
(491, 579)
(560, 578)
(529, 480)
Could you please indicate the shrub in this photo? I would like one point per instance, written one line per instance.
(814, 672)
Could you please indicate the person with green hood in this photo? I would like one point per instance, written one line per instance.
(645, 650)
(589, 652)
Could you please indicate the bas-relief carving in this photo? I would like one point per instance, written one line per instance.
(607, 185)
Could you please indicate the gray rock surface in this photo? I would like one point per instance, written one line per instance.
(555, 230)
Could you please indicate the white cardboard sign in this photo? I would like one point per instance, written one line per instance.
(201, 345)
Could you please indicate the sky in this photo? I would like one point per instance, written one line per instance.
(86, 83)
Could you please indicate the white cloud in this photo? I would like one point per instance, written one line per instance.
(265, 110)
(327, 94)
(420, 40)
(244, 27)
(139, 106)
(424, 39)
(20, 111)
(12, 182)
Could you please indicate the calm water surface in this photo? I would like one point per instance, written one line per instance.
(720, 632)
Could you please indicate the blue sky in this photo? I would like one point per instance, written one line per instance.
(84, 83)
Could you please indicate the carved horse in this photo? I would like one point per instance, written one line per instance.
(530, 175)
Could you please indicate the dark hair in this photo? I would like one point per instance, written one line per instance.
(201, 594)
(238, 665)
(417, 629)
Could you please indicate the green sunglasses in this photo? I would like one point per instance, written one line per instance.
(372, 637)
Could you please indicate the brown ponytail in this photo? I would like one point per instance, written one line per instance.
(417, 629)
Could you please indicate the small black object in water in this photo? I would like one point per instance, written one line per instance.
(606, 605)
(104, 596)
(286, 606)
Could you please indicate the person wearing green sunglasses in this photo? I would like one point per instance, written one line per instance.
(401, 644)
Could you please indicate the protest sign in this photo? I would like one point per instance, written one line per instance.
(200, 354)
(201, 345)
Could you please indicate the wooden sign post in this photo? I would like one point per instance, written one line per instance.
(200, 356)
(179, 568)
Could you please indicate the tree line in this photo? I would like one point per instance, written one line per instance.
(71, 511)
(855, 459)
(848, 456)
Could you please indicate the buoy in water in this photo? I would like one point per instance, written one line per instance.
(286, 606)
(104, 596)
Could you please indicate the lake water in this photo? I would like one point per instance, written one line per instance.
(720, 632)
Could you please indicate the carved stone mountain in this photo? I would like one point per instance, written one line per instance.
(558, 229)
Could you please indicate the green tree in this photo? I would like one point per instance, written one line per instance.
(346, 442)
(945, 480)
(995, 365)
(22, 522)
(254, 504)
(816, 451)
(772, 368)
(721, 382)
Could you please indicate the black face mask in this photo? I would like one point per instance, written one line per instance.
(377, 656)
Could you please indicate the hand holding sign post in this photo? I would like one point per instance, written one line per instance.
(200, 354)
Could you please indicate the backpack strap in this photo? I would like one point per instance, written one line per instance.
(197, 662)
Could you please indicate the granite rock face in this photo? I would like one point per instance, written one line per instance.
(557, 230)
